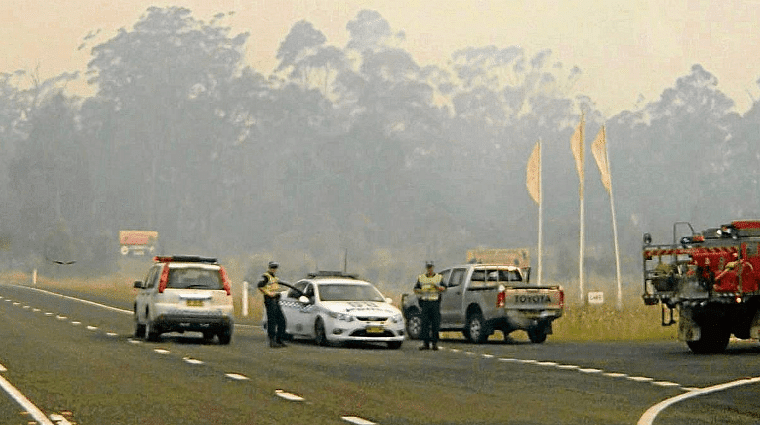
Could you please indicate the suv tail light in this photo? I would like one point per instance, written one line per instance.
(225, 280)
(164, 279)
(561, 298)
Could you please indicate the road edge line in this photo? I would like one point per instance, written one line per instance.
(648, 417)
(25, 403)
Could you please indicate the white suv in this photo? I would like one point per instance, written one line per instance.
(184, 293)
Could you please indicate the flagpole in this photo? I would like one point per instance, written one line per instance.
(540, 213)
(614, 228)
(582, 221)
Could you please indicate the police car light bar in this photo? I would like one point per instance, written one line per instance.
(184, 259)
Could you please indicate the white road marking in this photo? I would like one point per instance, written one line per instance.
(75, 323)
(3, 369)
(288, 396)
(161, 351)
(640, 378)
(546, 364)
(236, 376)
(568, 366)
(507, 359)
(666, 384)
(108, 307)
(357, 420)
(528, 361)
(454, 350)
(488, 356)
(192, 361)
(112, 334)
(590, 370)
(48, 314)
(652, 412)
(615, 375)
(26, 307)
(134, 341)
(27, 405)
(92, 328)
(59, 317)
(36, 310)
(17, 303)
(60, 420)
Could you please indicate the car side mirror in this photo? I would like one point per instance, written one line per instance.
(138, 284)
(303, 299)
(389, 300)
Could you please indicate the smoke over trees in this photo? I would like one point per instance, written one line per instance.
(353, 147)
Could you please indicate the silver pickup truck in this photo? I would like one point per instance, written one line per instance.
(482, 298)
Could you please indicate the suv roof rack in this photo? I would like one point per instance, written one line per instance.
(328, 273)
(184, 259)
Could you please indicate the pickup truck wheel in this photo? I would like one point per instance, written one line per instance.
(225, 336)
(537, 335)
(414, 325)
(475, 330)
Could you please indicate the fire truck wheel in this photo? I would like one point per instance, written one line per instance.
(713, 340)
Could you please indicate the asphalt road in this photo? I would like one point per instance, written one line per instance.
(77, 362)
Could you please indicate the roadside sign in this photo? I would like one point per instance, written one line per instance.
(596, 297)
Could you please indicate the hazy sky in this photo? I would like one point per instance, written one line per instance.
(626, 48)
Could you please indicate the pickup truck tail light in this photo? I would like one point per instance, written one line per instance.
(225, 280)
(164, 279)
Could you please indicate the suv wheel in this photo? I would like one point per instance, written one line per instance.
(225, 336)
(150, 333)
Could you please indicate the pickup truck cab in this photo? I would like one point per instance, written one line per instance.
(482, 298)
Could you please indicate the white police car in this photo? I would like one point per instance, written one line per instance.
(334, 307)
(184, 293)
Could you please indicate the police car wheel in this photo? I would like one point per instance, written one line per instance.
(319, 332)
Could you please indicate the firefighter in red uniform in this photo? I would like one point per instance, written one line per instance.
(428, 289)
(269, 286)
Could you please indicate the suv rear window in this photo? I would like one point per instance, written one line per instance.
(187, 278)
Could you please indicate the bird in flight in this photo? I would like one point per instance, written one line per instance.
(65, 263)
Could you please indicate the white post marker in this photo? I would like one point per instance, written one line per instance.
(245, 298)
(652, 412)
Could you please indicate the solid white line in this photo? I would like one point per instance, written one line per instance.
(60, 420)
(3, 369)
(357, 420)
(35, 412)
(120, 310)
(652, 412)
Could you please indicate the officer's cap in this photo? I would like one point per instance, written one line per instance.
(429, 264)
(273, 264)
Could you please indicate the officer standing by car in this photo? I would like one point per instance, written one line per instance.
(269, 286)
(428, 288)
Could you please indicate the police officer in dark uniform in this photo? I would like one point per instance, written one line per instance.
(428, 289)
(269, 286)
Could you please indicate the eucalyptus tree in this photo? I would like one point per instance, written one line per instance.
(164, 86)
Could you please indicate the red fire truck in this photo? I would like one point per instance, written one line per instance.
(709, 281)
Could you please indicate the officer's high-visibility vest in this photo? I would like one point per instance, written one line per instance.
(272, 287)
(429, 286)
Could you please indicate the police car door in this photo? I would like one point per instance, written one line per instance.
(291, 308)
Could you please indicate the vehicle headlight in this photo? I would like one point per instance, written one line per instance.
(397, 318)
(341, 316)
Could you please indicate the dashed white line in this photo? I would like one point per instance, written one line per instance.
(112, 334)
(134, 341)
(288, 396)
(615, 375)
(76, 323)
(357, 420)
(92, 328)
(161, 351)
(507, 359)
(640, 378)
(488, 356)
(236, 376)
(568, 366)
(590, 370)
(48, 314)
(666, 384)
(36, 310)
(59, 317)
(547, 363)
(26, 307)
(192, 361)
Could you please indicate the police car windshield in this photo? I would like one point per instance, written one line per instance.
(187, 278)
(349, 292)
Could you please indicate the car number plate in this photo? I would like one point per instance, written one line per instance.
(375, 329)
(195, 303)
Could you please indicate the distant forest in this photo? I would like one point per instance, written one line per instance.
(353, 149)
